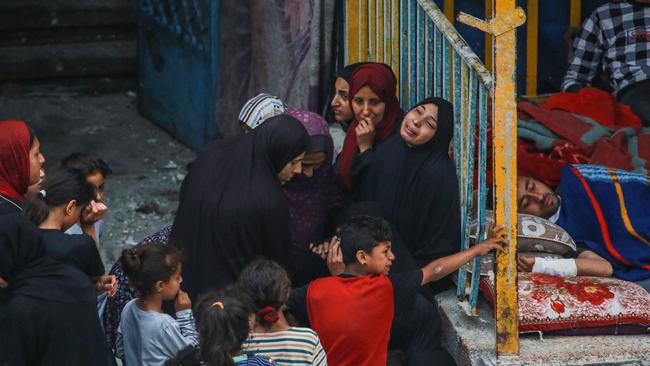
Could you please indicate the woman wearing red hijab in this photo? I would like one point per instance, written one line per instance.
(20, 164)
(376, 112)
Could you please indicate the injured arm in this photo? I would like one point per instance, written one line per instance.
(587, 263)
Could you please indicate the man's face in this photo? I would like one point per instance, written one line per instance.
(536, 198)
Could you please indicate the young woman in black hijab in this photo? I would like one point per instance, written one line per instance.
(232, 208)
(48, 311)
(413, 178)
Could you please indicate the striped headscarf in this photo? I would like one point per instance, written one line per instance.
(261, 108)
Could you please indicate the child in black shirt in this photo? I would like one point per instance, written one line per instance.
(56, 207)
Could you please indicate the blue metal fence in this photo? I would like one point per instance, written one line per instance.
(434, 59)
(178, 45)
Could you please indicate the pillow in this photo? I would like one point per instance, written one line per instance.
(535, 234)
(578, 305)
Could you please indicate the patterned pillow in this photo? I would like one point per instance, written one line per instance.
(535, 234)
(594, 305)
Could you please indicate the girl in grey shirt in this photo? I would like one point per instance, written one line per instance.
(147, 336)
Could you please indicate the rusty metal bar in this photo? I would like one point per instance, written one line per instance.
(504, 151)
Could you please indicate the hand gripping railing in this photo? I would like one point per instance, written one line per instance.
(430, 57)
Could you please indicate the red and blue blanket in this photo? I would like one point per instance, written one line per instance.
(607, 210)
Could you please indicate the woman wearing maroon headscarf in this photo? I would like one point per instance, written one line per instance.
(20, 164)
(376, 112)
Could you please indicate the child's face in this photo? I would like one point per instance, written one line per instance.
(169, 289)
(97, 180)
(379, 260)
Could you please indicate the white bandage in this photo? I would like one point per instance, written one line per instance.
(554, 266)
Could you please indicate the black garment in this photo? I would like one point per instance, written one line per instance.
(637, 96)
(405, 289)
(418, 188)
(8, 206)
(417, 333)
(76, 250)
(232, 208)
(48, 313)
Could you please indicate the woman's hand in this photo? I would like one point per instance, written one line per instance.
(365, 134)
(107, 283)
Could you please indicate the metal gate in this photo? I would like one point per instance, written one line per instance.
(178, 45)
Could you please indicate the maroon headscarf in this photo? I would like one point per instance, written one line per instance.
(381, 79)
(15, 142)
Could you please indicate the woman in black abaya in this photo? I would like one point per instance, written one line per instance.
(232, 208)
(48, 311)
(413, 178)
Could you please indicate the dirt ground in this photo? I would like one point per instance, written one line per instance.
(148, 164)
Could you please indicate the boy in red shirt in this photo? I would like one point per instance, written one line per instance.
(353, 312)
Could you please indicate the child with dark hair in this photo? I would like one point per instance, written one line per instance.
(266, 285)
(146, 335)
(96, 171)
(353, 312)
(56, 207)
(223, 321)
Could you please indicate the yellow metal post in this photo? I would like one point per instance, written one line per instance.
(504, 151)
(504, 112)
(575, 13)
(489, 53)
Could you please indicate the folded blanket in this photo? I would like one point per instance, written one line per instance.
(575, 138)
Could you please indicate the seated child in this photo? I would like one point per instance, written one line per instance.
(266, 285)
(223, 321)
(352, 313)
(96, 172)
(146, 335)
(56, 207)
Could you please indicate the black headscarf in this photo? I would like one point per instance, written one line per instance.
(418, 188)
(48, 313)
(346, 72)
(232, 208)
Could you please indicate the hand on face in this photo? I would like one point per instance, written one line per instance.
(365, 134)
(367, 105)
(93, 212)
(182, 302)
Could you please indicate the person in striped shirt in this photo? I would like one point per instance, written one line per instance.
(266, 286)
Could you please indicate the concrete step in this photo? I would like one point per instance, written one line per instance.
(42, 36)
(472, 342)
(30, 14)
(68, 60)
